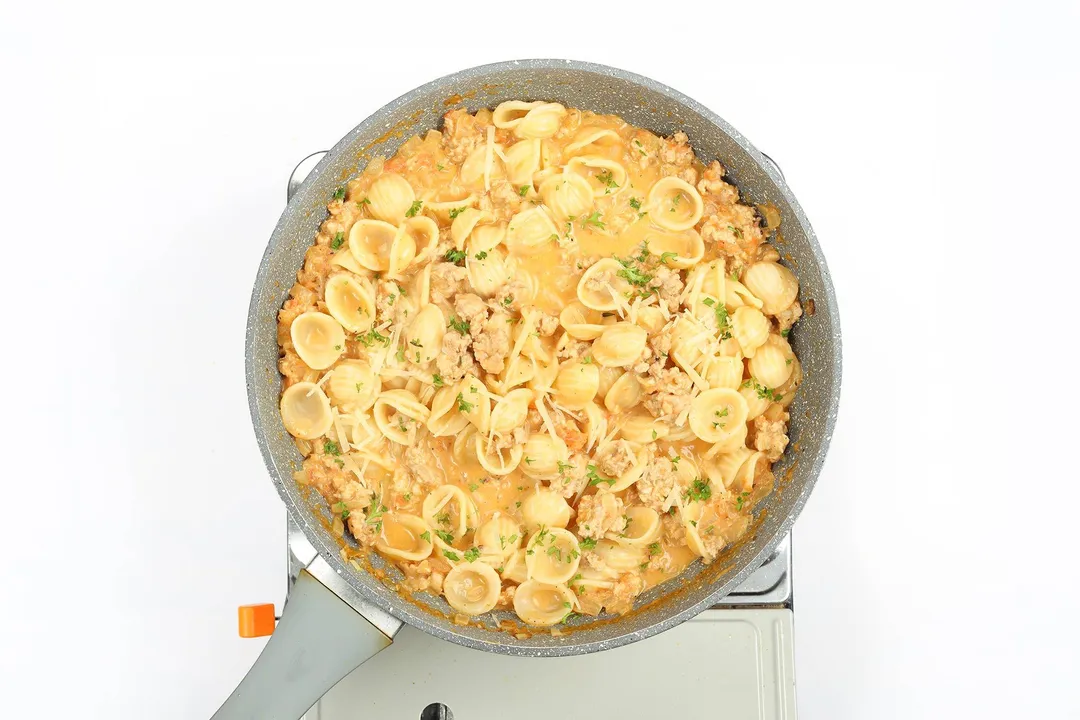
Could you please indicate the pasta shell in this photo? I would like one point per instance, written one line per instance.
(677, 250)
(723, 371)
(370, 242)
(651, 318)
(522, 160)
(390, 197)
(771, 365)
(788, 389)
(471, 172)
(402, 254)
(318, 338)
(624, 394)
(448, 509)
(351, 302)
(605, 176)
(601, 287)
(542, 604)
(472, 588)
(425, 236)
(473, 402)
(632, 474)
(511, 410)
(424, 335)
(748, 472)
(445, 419)
(580, 322)
(464, 448)
(488, 275)
(756, 402)
(508, 115)
(594, 140)
(717, 413)
(542, 456)
(736, 295)
(305, 411)
(484, 238)
(540, 122)
(617, 558)
(576, 385)
(619, 345)
(402, 536)
(750, 328)
(730, 443)
(772, 283)
(595, 426)
(514, 568)
(566, 195)
(495, 461)
(642, 527)
(344, 258)
(397, 414)
(449, 201)
(725, 466)
(552, 556)
(530, 229)
(498, 537)
(674, 204)
(354, 385)
(608, 377)
(544, 509)
(641, 427)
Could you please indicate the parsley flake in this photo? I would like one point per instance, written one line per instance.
(338, 241)
(414, 208)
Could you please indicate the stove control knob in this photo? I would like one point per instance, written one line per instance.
(256, 620)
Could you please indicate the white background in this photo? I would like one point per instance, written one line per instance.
(145, 151)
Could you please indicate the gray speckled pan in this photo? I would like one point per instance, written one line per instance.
(641, 102)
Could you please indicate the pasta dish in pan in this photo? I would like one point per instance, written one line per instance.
(539, 360)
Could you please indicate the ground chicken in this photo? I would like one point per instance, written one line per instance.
(492, 344)
(770, 436)
(364, 530)
(668, 285)
(735, 231)
(788, 316)
(506, 597)
(599, 514)
(599, 282)
(676, 158)
(471, 309)
(656, 483)
(669, 392)
(546, 324)
(615, 458)
(504, 441)
(505, 200)
(713, 184)
(509, 296)
(627, 587)
(387, 305)
(568, 431)
(462, 133)
(424, 473)
(661, 341)
(447, 280)
(570, 348)
(573, 477)
(316, 268)
(455, 361)
(672, 529)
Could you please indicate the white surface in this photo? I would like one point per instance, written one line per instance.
(737, 660)
(934, 147)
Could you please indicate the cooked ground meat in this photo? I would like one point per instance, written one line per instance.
(668, 285)
(504, 441)
(676, 157)
(455, 361)
(656, 483)
(627, 587)
(447, 280)
(472, 309)
(615, 458)
(734, 230)
(505, 200)
(788, 316)
(492, 344)
(573, 479)
(670, 392)
(713, 184)
(770, 436)
(599, 514)
(509, 296)
(462, 133)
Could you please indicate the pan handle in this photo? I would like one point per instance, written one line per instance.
(319, 640)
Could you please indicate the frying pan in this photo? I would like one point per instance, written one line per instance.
(320, 637)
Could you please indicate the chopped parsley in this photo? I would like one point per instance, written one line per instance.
(588, 543)
(785, 333)
(664, 257)
(587, 360)
(462, 326)
(375, 514)
(331, 448)
(414, 208)
(594, 219)
(463, 405)
(439, 167)
(481, 255)
(437, 380)
(508, 299)
(555, 552)
(443, 518)
(471, 555)
(457, 211)
(473, 487)
(735, 231)
(359, 387)
(608, 179)
(362, 203)
(653, 434)
(595, 478)
(723, 321)
(446, 537)
(529, 460)
(400, 355)
(454, 256)
(699, 490)
(373, 336)
(523, 190)
(340, 507)
(339, 194)
(635, 203)
(563, 467)
(338, 241)
(655, 549)
(763, 393)
(740, 499)
(675, 460)
(426, 536)
(450, 555)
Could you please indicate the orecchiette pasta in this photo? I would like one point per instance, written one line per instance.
(539, 361)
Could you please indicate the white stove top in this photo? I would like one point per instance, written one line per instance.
(734, 661)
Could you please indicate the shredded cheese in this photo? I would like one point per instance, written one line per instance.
(339, 430)
(489, 158)
(540, 408)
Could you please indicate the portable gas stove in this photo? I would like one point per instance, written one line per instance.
(736, 660)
